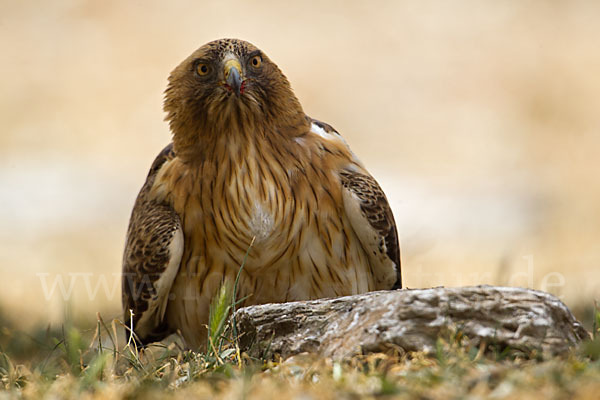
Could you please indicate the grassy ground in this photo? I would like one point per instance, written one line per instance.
(97, 363)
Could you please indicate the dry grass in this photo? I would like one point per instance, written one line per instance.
(102, 363)
(71, 363)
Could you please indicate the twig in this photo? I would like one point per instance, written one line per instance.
(235, 287)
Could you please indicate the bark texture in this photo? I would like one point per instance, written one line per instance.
(410, 320)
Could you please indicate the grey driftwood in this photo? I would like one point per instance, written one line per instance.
(410, 320)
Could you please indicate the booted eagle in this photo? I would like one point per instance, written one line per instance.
(248, 166)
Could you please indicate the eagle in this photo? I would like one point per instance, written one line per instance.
(249, 182)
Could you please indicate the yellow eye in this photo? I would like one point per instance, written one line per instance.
(256, 61)
(202, 69)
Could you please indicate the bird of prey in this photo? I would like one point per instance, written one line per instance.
(249, 176)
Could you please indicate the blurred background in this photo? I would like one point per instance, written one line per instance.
(480, 119)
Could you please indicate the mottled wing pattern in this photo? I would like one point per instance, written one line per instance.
(153, 251)
(372, 220)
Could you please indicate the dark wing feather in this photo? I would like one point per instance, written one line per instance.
(376, 211)
(151, 259)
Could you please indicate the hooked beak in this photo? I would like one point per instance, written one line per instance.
(233, 75)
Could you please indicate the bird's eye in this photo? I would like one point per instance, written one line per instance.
(256, 61)
(202, 69)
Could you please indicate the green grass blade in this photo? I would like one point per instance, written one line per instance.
(218, 314)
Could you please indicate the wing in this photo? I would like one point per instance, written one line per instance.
(371, 217)
(153, 251)
(369, 213)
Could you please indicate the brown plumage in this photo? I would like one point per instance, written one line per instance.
(247, 164)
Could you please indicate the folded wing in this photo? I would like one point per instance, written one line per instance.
(151, 260)
(371, 217)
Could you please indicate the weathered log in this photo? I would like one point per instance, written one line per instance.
(411, 320)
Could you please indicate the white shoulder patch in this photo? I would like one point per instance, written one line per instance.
(333, 136)
(314, 128)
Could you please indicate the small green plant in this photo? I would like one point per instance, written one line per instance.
(11, 376)
(591, 348)
(218, 316)
(73, 347)
(220, 348)
(235, 292)
(596, 324)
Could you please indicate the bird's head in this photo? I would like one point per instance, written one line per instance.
(226, 84)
